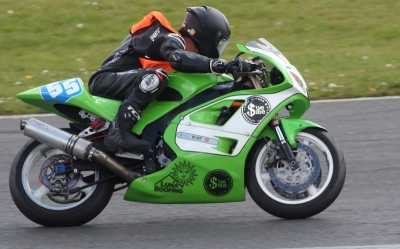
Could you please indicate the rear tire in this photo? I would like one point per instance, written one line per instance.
(32, 199)
(281, 201)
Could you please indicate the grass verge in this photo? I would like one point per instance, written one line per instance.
(343, 48)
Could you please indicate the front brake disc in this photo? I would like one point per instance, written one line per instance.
(289, 183)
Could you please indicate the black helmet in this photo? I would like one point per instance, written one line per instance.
(208, 28)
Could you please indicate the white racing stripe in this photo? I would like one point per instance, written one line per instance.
(312, 102)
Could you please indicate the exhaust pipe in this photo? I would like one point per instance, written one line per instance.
(73, 145)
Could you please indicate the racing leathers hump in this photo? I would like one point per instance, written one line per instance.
(155, 47)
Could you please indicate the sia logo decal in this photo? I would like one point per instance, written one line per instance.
(197, 138)
(218, 183)
(183, 174)
(255, 109)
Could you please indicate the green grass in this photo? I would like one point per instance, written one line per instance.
(343, 48)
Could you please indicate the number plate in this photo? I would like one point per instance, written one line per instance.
(62, 91)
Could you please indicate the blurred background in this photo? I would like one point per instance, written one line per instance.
(343, 48)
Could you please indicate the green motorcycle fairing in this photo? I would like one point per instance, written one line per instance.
(210, 155)
(58, 96)
(163, 186)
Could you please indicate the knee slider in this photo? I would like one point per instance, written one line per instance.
(153, 80)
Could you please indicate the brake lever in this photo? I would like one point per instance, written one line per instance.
(235, 72)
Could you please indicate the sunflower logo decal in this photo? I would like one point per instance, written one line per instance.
(183, 174)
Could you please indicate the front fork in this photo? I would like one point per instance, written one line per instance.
(285, 146)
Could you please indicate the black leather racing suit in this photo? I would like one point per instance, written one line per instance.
(121, 75)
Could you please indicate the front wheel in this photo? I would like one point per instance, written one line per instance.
(40, 183)
(297, 193)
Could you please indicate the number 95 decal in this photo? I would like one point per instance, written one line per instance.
(61, 91)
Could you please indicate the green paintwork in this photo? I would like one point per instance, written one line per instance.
(299, 106)
(169, 185)
(290, 125)
(224, 144)
(103, 107)
(294, 126)
(210, 114)
(147, 189)
(187, 84)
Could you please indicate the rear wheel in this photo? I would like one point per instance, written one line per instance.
(40, 179)
(303, 192)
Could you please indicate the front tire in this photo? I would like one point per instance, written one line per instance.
(30, 189)
(278, 190)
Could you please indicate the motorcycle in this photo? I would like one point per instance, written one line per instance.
(212, 138)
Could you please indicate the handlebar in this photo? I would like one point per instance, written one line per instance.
(251, 75)
(241, 74)
(256, 71)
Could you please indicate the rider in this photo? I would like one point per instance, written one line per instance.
(136, 72)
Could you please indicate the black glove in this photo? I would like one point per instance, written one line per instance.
(238, 65)
(218, 66)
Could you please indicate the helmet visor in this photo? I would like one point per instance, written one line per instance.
(222, 45)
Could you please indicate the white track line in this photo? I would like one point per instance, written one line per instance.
(355, 99)
(351, 247)
(312, 102)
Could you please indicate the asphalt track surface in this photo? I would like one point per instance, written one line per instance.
(365, 215)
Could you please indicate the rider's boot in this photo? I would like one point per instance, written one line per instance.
(120, 137)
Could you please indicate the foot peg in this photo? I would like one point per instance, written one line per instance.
(132, 155)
